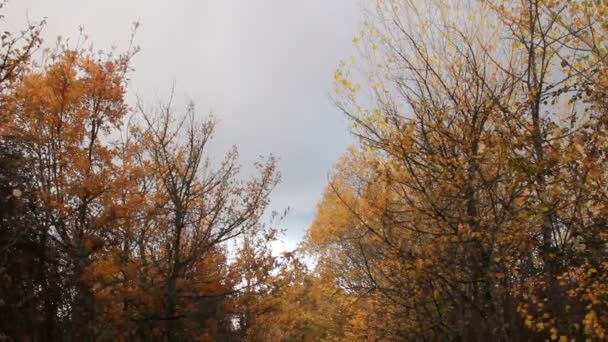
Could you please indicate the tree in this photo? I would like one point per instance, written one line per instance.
(464, 211)
(67, 110)
(117, 224)
(289, 309)
(24, 299)
(197, 210)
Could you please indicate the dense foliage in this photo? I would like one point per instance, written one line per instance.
(472, 208)
(115, 224)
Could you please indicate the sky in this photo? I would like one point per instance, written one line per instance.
(264, 68)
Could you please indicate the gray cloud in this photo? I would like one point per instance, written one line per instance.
(264, 67)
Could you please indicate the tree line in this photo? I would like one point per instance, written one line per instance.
(471, 208)
(115, 223)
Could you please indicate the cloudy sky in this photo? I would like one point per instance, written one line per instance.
(263, 67)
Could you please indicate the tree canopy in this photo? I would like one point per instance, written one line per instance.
(472, 207)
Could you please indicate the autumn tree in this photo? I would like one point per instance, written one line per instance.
(67, 110)
(115, 222)
(191, 218)
(299, 305)
(472, 208)
(24, 304)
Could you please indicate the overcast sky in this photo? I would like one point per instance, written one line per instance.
(263, 67)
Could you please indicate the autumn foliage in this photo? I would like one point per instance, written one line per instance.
(473, 206)
(115, 222)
